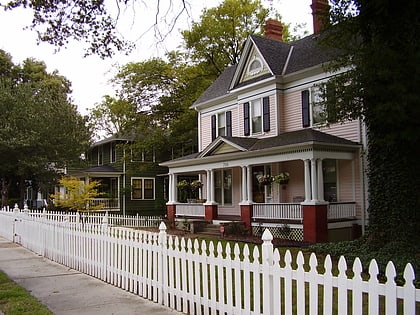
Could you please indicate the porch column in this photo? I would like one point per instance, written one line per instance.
(244, 186)
(249, 183)
(314, 182)
(308, 195)
(246, 203)
(320, 181)
(170, 191)
(210, 207)
(171, 204)
(174, 189)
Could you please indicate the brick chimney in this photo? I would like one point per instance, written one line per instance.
(320, 9)
(273, 30)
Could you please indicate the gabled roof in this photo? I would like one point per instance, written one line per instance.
(282, 59)
(112, 139)
(219, 88)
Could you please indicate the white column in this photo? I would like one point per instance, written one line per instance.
(174, 189)
(308, 195)
(320, 180)
(314, 182)
(249, 183)
(170, 191)
(244, 189)
(212, 186)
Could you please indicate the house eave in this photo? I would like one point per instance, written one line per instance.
(309, 145)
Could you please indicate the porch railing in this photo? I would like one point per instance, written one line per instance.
(277, 211)
(293, 211)
(341, 210)
(108, 203)
(190, 209)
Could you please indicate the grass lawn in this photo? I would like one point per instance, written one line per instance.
(15, 300)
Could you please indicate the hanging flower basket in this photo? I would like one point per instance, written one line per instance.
(265, 179)
(282, 178)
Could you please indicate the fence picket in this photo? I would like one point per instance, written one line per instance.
(201, 278)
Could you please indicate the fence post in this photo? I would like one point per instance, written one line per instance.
(16, 208)
(162, 280)
(267, 263)
(105, 220)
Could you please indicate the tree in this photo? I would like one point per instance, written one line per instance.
(78, 195)
(40, 129)
(95, 23)
(377, 42)
(218, 38)
(161, 91)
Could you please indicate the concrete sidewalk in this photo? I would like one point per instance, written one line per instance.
(66, 291)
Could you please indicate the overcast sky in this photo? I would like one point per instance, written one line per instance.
(90, 75)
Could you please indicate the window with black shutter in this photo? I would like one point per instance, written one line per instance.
(213, 127)
(305, 108)
(246, 119)
(229, 123)
(266, 114)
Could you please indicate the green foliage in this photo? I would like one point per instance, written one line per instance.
(40, 129)
(78, 195)
(15, 300)
(381, 88)
(218, 38)
(399, 252)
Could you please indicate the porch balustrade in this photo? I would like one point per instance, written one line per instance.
(190, 209)
(341, 210)
(277, 211)
(293, 211)
(108, 203)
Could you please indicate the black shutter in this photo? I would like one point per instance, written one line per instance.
(229, 123)
(305, 108)
(266, 114)
(246, 119)
(213, 127)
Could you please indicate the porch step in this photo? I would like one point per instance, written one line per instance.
(210, 230)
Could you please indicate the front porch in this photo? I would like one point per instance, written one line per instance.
(284, 220)
(305, 181)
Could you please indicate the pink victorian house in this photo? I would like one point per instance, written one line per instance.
(264, 158)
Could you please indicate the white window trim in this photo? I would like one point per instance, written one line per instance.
(251, 115)
(142, 187)
(252, 72)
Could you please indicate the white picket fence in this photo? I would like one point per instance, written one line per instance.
(204, 278)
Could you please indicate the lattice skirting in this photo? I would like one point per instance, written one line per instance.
(294, 233)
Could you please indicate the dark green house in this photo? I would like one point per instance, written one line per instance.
(130, 183)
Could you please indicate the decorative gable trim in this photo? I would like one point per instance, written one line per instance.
(251, 54)
(219, 146)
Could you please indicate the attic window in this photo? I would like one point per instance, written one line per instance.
(255, 66)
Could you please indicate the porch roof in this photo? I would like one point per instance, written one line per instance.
(254, 147)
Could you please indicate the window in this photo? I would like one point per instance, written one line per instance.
(316, 108)
(113, 153)
(257, 116)
(143, 188)
(255, 66)
(312, 111)
(329, 169)
(138, 155)
(221, 125)
(100, 155)
(223, 187)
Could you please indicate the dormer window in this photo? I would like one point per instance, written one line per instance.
(255, 66)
